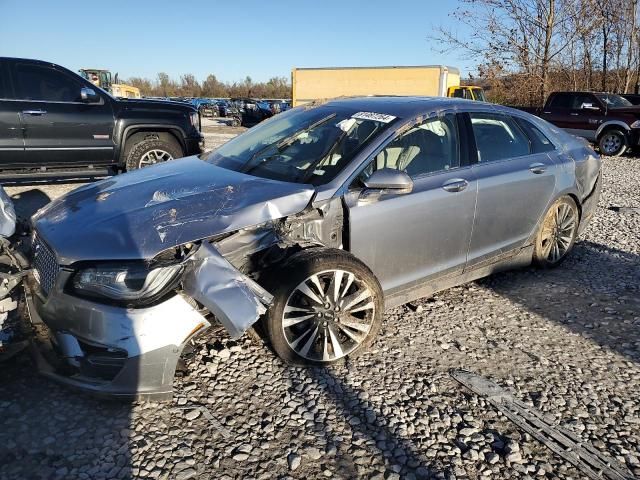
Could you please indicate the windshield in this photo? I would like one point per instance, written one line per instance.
(479, 94)
(301, 145)
(614, 101)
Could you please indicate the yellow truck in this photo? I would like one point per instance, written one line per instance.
(102, 79)
(309, 84)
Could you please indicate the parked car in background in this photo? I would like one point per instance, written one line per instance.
(206, 107)
(606, 119)
(252, 111)
(229, 110)
(312, 223)
(55, 122)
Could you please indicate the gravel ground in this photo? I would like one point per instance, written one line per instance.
(566, 341)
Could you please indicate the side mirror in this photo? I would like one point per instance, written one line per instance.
(389, 179)
(590, 106)
(89, 95)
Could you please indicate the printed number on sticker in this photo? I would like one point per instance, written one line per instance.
(378, 117)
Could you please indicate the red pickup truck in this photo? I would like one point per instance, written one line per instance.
(607, 119)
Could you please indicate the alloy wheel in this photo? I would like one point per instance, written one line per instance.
(328, 315)
(558, 232)
(154, 156)
(611, 143)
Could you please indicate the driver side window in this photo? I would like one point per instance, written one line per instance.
(37, 82)
(428, 147)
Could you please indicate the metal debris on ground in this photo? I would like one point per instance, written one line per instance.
(566, 444)
(625, 209)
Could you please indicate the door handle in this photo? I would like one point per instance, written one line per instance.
(34, 112)
(455, 185)
(575, 114)
(538, 168)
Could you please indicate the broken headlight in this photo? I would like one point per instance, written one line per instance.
(128, 284)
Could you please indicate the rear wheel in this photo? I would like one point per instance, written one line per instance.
(327, 306)
(151, 151)
(612, 143)
(557, 233)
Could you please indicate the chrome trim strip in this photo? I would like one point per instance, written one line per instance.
(46, 101)
(68, 148)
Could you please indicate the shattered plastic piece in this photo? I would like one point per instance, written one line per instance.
(7, 215)
(236, 300)
(566, 444)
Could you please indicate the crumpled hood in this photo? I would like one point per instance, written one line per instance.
(139, 214)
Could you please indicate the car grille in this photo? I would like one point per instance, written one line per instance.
(45, 264)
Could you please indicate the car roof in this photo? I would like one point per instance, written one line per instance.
(403, 106)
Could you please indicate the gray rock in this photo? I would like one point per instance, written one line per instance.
(294, 460)
(192, 414)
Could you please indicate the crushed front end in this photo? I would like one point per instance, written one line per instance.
(101, 347)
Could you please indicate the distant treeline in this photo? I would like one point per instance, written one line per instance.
(211, 87)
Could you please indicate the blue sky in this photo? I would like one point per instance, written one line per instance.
(231, 39)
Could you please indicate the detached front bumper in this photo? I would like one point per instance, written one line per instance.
(110, 350)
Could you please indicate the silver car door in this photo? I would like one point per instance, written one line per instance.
(407, 237)
(515, 186)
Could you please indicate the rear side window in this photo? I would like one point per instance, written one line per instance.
(562, 100)
(539, 141)
(498, 137)
(582, 99)
(38, 82)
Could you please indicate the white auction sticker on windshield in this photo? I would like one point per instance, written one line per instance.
(377, 117)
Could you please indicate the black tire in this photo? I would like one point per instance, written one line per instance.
(555, 232)
(143, 148)
(236, 122)
(612, 142)
(323, 262)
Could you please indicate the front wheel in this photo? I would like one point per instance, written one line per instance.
(557, 233)
(327, 305)
(612, 143)
(151, 151)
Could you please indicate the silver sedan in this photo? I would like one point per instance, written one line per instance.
(312, 223)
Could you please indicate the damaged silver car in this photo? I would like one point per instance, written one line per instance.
(312, 223)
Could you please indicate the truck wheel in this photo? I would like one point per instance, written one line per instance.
(327, 305)
(612, 143)
(151, 151)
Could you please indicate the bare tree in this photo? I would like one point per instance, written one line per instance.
(530, 47)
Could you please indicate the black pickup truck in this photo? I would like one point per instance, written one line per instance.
(55, 123)
(607, 119)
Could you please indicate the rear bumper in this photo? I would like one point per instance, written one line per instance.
(108, 350)
(589, 205)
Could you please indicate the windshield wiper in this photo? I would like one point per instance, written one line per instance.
(284, 143)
